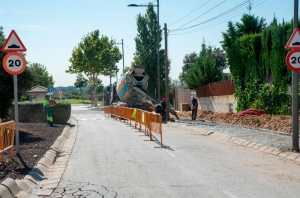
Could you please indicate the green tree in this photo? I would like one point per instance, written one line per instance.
(7, 83)
(40, 75)
(204, 70)
(94, 56)
(146, 43)
(100, 87)
(80, 83)
(220, 57)
(188, 61)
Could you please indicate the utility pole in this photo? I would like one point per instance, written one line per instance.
(158, 72)
(167, 74)
(295, 105)
(123, 55)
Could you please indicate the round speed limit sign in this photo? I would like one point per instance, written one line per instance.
(14, 63)
(292, 60)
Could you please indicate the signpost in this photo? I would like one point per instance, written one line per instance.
(14, 64)
(60, 92)
(293, 62)
(49, 91)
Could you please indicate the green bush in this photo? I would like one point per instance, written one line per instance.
(33, 112)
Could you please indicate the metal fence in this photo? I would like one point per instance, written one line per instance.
(216, 89)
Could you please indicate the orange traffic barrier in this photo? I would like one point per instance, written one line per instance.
(7, 134)
(151, 121)
(155, 126)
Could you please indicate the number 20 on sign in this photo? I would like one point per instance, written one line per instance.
(14, 63)
(292, 60)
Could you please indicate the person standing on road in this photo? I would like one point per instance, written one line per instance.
(159, 109)
(163, 104)
(194, 107)
(48, 106)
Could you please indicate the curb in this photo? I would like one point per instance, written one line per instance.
(291, 156)
(37, 182)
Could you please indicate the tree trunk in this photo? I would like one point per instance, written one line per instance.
(81, 95)
(94, 95)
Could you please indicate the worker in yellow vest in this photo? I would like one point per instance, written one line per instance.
(48, 106)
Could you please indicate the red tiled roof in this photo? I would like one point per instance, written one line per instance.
(37, 89)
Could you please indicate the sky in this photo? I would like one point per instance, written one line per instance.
(50, 30)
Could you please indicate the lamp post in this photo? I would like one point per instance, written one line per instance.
(158, 72)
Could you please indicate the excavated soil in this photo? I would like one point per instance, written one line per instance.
(35, 139)
(265, 121)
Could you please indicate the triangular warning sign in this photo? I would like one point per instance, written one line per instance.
(13, 43)
(294, 41)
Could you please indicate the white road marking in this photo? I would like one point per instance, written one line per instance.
(229, 194)
(170, 153)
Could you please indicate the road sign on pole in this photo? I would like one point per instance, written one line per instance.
(60, 92)
(14, 63)
(13, 43)
(292, 60)
(294, 41)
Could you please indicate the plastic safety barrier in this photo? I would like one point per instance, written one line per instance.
(151, 122)
(7, 134)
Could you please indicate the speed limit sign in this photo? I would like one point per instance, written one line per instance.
(14, 63)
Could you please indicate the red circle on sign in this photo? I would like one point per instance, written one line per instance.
(14, 63)
(292, 60)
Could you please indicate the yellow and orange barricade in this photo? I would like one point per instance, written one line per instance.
(7, 134)
(150, 121)
(155, 126)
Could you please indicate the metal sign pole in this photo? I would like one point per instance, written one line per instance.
(295, 105)
(16, 112)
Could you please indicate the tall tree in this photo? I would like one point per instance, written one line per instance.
(94, 56)
(146, 43)
(188, 61)
(204, 70)
(80, 83)
(7, 83)
(40, 75)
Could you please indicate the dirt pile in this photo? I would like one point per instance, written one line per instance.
(265, 121)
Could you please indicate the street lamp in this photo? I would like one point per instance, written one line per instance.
(158, 73)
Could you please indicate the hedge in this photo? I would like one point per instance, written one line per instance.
(33, 112)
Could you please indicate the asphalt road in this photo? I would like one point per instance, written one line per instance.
(111, 159)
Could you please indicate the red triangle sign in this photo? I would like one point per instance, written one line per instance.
(13, 43)
(294, 41)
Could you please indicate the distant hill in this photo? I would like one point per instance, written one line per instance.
(66, 90)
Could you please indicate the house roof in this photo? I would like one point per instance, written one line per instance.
(37, 90)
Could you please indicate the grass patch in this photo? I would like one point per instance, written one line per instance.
(80, 101)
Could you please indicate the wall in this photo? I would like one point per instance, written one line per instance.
(38, 98)
(182, 96)
(216, 97)
(218, 103)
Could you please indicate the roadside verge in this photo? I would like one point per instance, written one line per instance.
(45, 176)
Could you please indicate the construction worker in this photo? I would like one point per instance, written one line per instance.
(163, 104)
(48, 106)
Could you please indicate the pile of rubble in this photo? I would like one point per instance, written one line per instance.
(264, 121)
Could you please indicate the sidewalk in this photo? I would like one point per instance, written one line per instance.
(270, 142)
